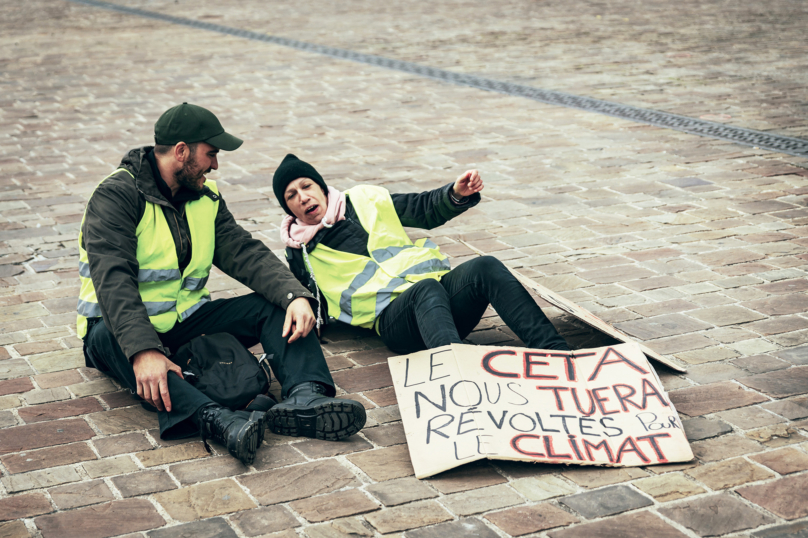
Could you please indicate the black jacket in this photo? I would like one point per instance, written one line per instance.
(425, 210)
(108, 235)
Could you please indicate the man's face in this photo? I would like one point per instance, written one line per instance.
(201, 161)
(306, 200)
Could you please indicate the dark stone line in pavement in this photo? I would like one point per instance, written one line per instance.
(747, 137)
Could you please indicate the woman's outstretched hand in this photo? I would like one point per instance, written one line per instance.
(467, 184)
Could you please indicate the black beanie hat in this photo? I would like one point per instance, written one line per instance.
(290, 169)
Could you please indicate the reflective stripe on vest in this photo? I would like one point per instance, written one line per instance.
(358, 288)
(167, 294)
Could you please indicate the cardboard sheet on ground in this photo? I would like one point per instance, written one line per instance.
(601, 406)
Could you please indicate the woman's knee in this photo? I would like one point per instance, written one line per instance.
(488, 267)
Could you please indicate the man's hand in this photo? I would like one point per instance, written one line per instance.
(300, 318)
(467, 184)
(151, 370)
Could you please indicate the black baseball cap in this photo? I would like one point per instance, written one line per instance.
(190, 124)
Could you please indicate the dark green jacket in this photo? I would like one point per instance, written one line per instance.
(108, 235)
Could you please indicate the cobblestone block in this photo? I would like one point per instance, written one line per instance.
(409, 516)
(278, 456)
(121, 444)
(637, 525)
(384, 464)
(480, 500)
(15, 386)
(661, 326)
(602, 476)
(400, 491)
(727, 446)
(729, 473)
(780, 305)
(298, 481)
(668, 487)
(712, 372)
(797, 355)
(264, 520)
(382, 397)
(334, 505)
(162, 456)
(340, 528)
(783, 461)
(784, 497)
(52, 411)
(123, 420)
(204, 500)
(776, 436)
(210, 528)
(143, 483)
(365, 378)
(706, 399)
(101, 521)
(110, 466)
(81, 494)
(721, 316)
(793, 409)
(14, 529)
(47, 457)
(58, 379)
(746, 418)
(40, 479)
(207, 469)
(791, 530)
(20, 506)
(470, 476)
(606, 501)
(11, 368)
(759, 364)
(57, 361)
(540, 488)
(715, 515)
(780, 384)
(700, 428)
(528, 519)
(91, 388)
(36, 397)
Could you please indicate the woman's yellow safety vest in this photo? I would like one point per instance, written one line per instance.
(357, 288)
(168, 295)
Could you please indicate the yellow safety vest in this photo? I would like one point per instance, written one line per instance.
(357, 288)
(168, 294)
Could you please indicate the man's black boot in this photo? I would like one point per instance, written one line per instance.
(308, 412)
(242, 432)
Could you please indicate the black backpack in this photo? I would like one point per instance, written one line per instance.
(226, 372)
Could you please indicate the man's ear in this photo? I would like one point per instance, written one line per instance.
(181, 152)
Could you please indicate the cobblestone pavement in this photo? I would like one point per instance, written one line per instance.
(692, 245)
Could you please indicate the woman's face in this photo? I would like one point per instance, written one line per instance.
(306, 200)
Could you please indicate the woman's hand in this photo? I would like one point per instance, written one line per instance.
(467, 184)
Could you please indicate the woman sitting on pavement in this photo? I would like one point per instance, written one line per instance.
(351, 249)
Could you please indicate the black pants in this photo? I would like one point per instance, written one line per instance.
(435, 313)
(251, 319)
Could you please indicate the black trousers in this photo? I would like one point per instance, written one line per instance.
(435, 313)
(251, 319)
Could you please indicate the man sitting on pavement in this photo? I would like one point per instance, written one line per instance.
(150, 234)
(351, 247)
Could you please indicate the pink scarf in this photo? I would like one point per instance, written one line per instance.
(295, 233)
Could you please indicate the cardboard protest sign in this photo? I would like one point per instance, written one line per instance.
(602, 406)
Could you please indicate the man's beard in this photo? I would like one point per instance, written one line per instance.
(188, 176)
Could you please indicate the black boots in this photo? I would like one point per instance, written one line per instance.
(308, 412)
(240, 431)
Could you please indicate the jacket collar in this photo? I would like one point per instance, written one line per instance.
(136, 162)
